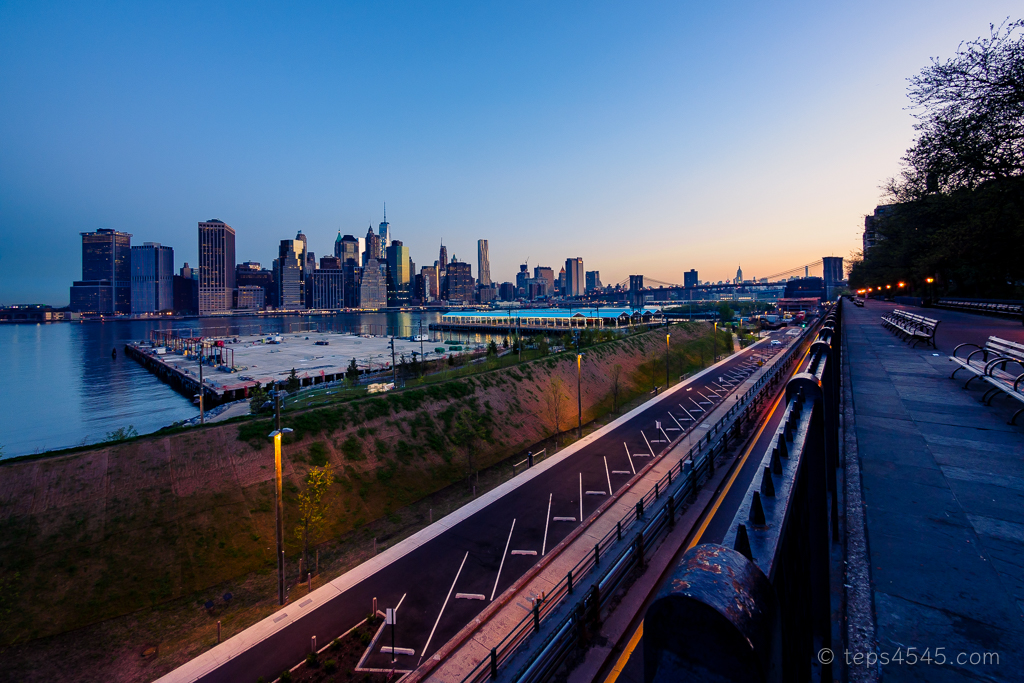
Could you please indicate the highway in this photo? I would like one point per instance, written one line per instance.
(442, 585)
(712, 528)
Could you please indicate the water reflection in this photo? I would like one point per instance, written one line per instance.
(64, 389)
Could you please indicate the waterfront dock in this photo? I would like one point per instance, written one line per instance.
(234, 365)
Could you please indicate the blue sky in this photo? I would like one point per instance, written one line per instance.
(644, 137)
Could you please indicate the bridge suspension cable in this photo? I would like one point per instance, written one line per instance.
(798, 269)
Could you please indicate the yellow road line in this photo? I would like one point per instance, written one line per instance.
(623, 659)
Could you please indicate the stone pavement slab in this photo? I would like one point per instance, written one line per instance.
(942, 478)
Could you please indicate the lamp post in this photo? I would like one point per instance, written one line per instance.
(668, 338)
(202, 415)
(279, 498)
(714, 342)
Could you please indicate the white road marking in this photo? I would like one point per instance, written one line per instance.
(621, 472)
(688, 415)
(607, 474)
(398, 650)
(648, 443)
(706, 399)
(431, 636)
(523, 552)
(581, 496)
(547, 520)
(500, 566)
(696, 404)
(629, 458)
(563, 519)
(470, 596)
(596, 493)
(676, 421)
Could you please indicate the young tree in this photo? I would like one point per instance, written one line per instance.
(352, 372)
(555, 398)
(724, 312)
(313, 508)
(293, 381)
(543, 346)
(616, 376)
(257, 397)
(492, 349)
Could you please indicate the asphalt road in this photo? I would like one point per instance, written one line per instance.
(477, 557)
(719, 519)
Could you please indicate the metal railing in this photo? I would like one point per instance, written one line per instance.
(635, 537)
(771, 618)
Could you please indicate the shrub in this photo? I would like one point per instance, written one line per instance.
(352, 449)
(317, 454)
(286, 676)
(312, 660)
(330, 666)
(335, 645)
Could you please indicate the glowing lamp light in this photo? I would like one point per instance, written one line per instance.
(888, 286)
(929, 280)
(902, 284)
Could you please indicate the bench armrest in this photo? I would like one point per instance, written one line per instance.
(960, 346)
(1002, 360)
(1016, 382)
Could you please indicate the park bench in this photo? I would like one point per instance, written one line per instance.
(988, 307)
(910, 326)
(857, 301)
(989, 363)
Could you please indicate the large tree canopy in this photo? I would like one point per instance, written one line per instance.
(970, 113)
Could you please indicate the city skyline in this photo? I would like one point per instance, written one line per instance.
(531, 129)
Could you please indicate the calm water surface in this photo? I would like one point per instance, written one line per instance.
(63, 389)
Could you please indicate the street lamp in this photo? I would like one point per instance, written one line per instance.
(668, 337)
(279, 499)
(714, 342)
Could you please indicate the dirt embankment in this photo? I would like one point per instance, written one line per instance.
(104, 532)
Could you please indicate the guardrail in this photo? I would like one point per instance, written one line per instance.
(757, 607)
(635, 538)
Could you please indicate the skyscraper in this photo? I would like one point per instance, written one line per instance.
(483, 264)
(442, 260)
(399, 280)
(739, 276)
(593, 280)
(288, 275)
(460, 281)
(152, 278)
(373, 291)
(690, 278)
(216, 266)
(574, 277)
(105, 287)
(548, 276)
(384, 231)
(373, 249)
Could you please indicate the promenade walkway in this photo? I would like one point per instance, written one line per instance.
(942, 480)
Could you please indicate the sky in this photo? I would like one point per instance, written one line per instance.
(645, 138)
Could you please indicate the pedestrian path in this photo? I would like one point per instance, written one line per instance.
(942, 480)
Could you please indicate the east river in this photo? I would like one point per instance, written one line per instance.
(63, 388)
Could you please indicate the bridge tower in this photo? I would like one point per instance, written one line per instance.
(636, 294)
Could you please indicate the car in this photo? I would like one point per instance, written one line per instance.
(776, 342)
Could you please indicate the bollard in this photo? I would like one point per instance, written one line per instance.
(218, 631)
(373, 612)
(529, 458)
(430, 515)
(312, 644)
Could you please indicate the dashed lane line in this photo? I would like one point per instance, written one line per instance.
(503, 554)
(438, 621)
